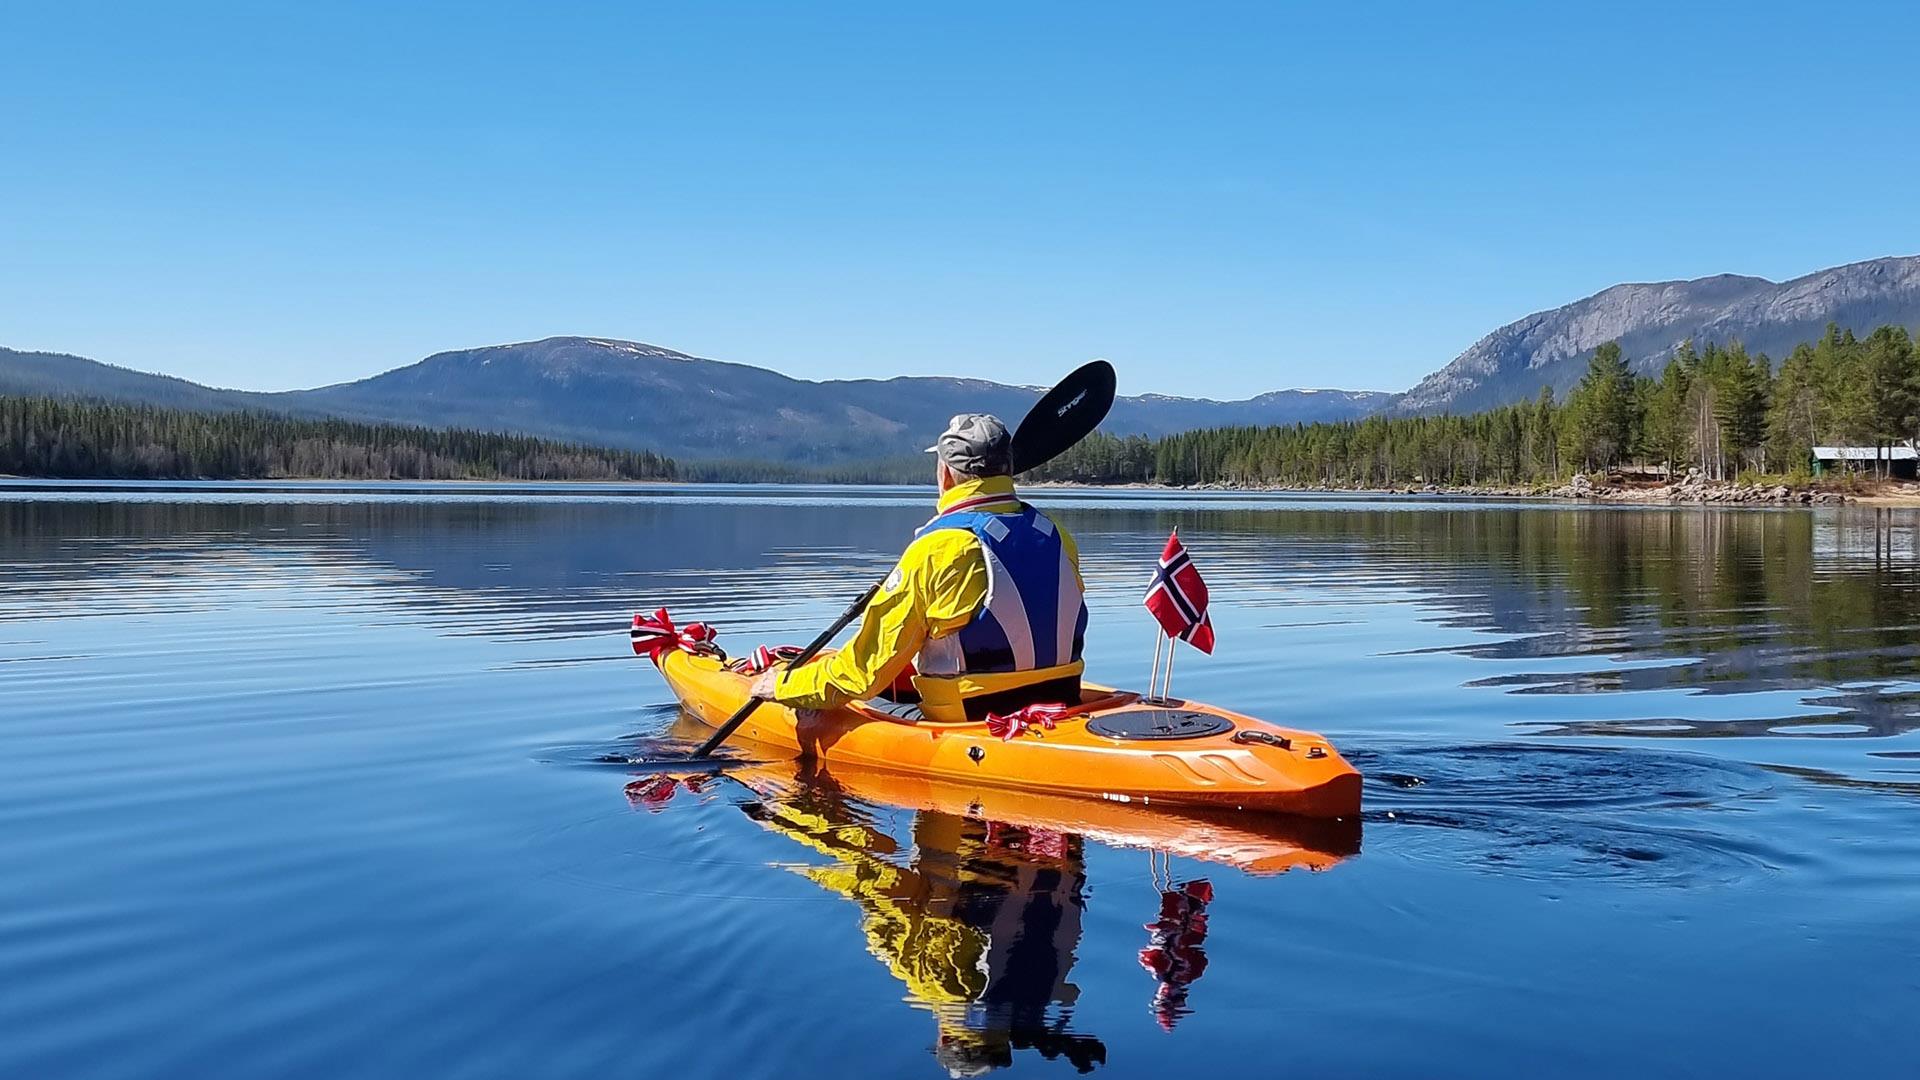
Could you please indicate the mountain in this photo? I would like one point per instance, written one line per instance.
(1551, 348)
(43, 374)
(627, 394)
(633, 395)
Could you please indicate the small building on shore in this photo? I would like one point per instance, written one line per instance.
(1899, 461)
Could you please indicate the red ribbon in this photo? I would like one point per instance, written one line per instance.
(655, 634)
(1041, 843)
(1017, 723)
(764, 657)
(653, 793)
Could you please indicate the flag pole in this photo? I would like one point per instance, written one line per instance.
(1154, 675)
(1166, 680)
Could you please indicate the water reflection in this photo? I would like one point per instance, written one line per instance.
(979, 921)
(1176, 952)
(976, 903)
(311, 732)
(1820, 605)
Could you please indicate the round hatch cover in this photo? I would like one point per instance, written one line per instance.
(1158, 724)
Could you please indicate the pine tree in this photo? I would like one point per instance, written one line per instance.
(1793, 419)
(1544, 436)
(1740, 403)
(1669, 427)
(1888, 387)
(1607, 407)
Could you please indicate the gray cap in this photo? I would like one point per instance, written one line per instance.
(975, 444)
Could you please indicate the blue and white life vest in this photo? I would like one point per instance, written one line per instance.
(1034, 616)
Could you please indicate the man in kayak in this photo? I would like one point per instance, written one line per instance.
(986, 603)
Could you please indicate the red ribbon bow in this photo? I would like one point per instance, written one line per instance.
(1020, 721)
(655, 634)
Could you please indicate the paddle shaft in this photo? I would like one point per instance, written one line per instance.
(740, 716)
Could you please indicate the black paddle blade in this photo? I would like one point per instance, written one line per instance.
(1066, 414)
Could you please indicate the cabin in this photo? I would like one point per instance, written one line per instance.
(1902, 462)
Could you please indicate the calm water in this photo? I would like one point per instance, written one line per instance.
(310, 782)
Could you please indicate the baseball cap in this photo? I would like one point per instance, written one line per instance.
(975, 444)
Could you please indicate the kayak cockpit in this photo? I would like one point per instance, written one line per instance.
(1093, 699)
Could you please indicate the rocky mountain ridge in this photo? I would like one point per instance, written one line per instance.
(1651, 320)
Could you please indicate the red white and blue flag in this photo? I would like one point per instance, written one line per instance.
(1178, 598)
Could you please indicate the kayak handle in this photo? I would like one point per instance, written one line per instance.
(740, 716)
(1266, 738)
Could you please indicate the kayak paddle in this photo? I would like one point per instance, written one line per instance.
(1063, 416)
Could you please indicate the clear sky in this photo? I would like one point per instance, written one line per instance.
(1223, 199)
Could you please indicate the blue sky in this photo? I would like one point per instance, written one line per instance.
(1224, 199)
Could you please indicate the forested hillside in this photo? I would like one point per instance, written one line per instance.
(1721, 409)
(626, 394)
(1724, 410)
(1648, 321)
(46, 437)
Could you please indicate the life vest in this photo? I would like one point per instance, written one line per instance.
(1034, 619)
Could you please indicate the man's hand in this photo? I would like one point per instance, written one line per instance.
(761, 689)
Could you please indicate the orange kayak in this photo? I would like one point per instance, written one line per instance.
(1258, 844)
(1112, 746)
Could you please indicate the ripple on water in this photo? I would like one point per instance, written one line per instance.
(679, 857)
(1551, 813)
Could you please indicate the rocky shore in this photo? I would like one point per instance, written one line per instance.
(1691, 488)
(1696, 488)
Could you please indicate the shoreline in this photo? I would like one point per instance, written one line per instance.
(1687, 492)
(1690, 491)
(13, 477)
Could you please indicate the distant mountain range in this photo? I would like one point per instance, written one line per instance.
(632, 395)
(626, 394)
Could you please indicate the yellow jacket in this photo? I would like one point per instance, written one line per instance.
(937, 588)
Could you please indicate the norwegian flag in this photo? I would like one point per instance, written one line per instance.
(1178, 598)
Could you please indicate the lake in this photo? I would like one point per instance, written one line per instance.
(308, 780)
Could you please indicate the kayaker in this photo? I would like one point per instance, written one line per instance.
(986, 603)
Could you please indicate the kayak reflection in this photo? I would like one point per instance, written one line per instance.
(978, 919)
(976, 906)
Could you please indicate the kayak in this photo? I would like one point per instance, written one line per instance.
(1114, 746)
(1258, 844)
